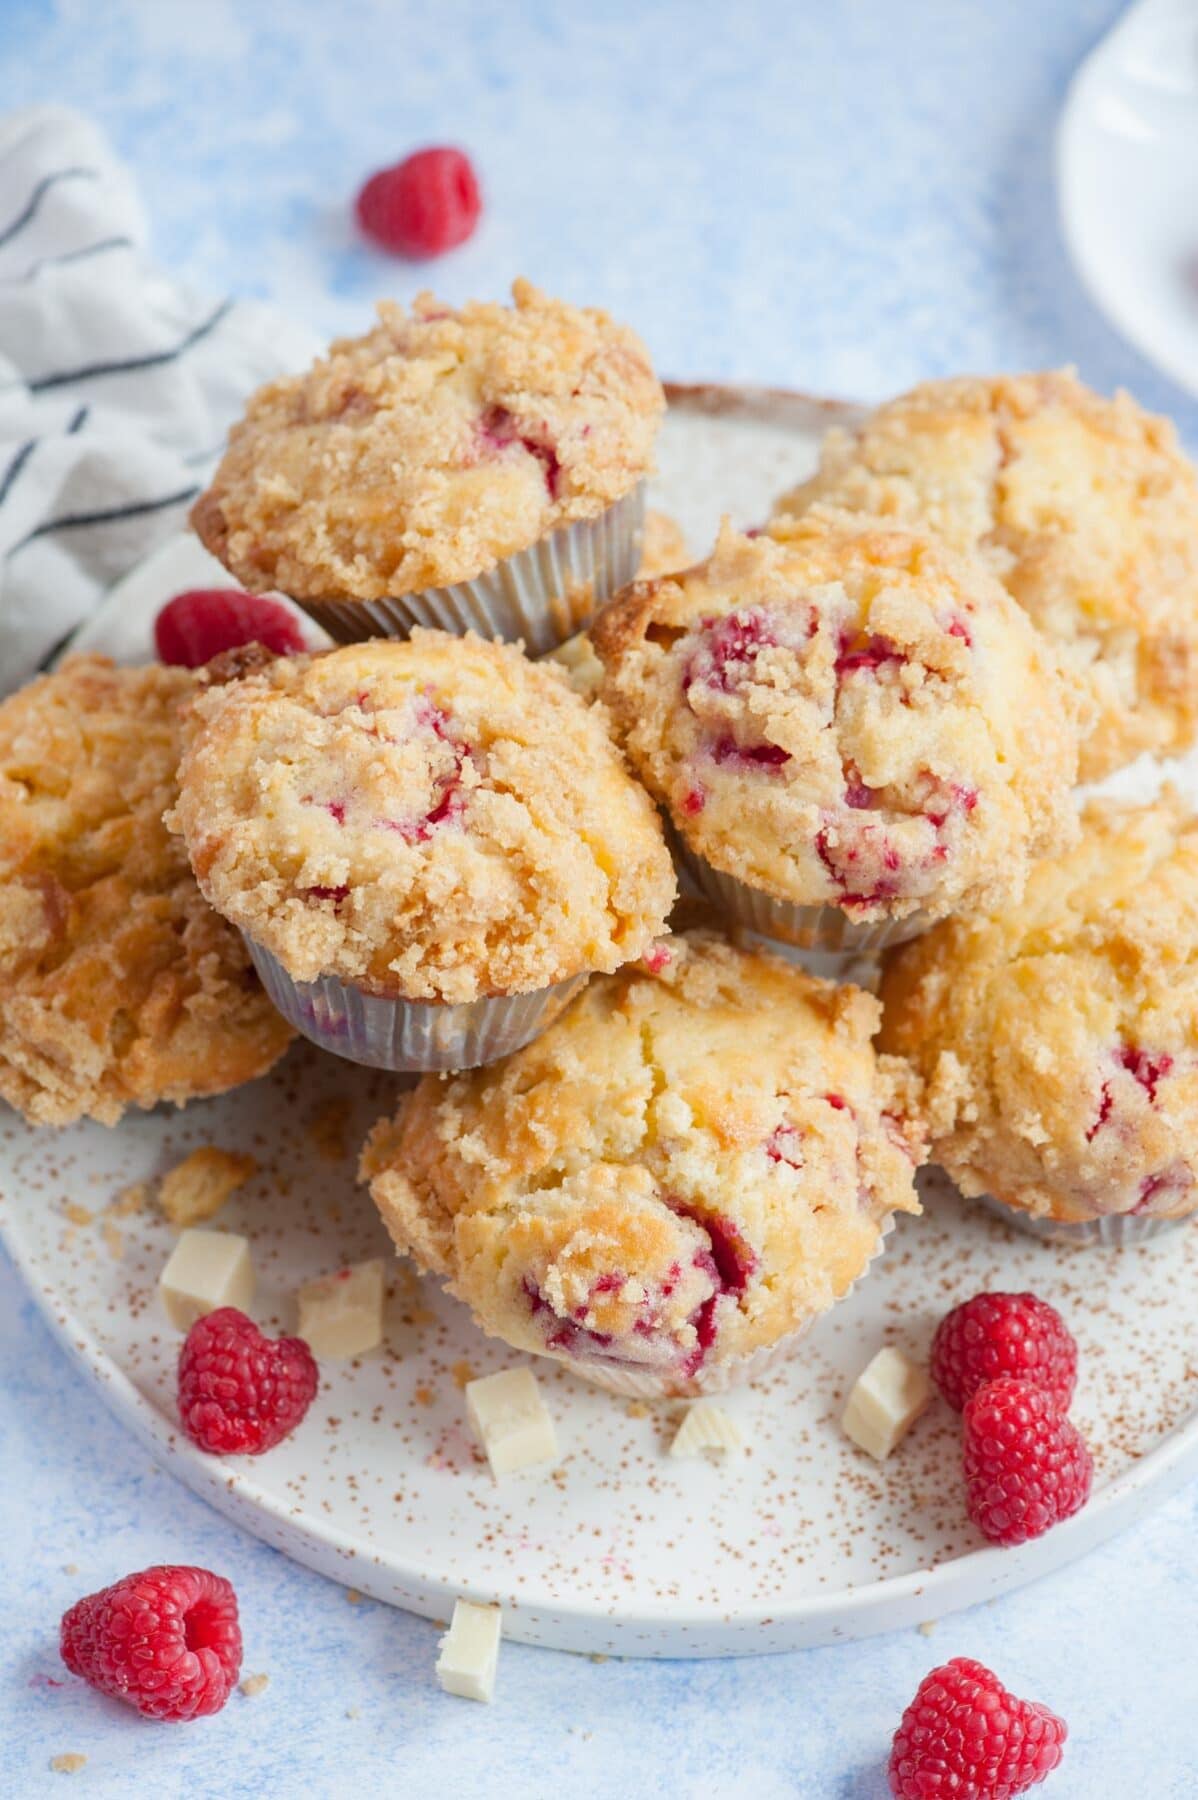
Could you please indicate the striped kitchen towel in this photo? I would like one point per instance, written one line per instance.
(117, 383)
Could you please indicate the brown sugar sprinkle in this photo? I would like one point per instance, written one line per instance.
(197, 1188)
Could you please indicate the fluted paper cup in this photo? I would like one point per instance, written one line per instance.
(1115, 1231)
(825, 928)
(541, 595)
(410, 1036)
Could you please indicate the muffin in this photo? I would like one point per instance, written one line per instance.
(853, 732)
(119, 986)
(693, 1163)
(428, 844)
(479, 468)
(1083, 507)
(663, 548)
(1058, 1037)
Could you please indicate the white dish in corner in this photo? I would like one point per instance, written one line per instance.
(804, 1541)
(1127, 179)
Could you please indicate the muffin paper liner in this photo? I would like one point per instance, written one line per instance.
(1116, 1231)
(641, 1383)
(541, 595)
(410, 1036)
(824, 928)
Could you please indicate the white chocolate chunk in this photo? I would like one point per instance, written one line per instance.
(342, 1314)
(511, 1421)
(206, 1269)
(469, 1652)
(707, 1431)
(887, 1398)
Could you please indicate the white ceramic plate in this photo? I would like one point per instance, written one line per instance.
(1127, 173)
(619, 1549)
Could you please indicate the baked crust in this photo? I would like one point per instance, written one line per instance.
(439, 819)
(855, 715)
(427, 451)
(1084, 507)
(119, 986)
(692, 1163)
(1060, 1039)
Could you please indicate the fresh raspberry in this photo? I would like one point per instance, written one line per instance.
(1003, 1334)
(964, 1737)
(241, 1393)
(196, 626)
(166, 1641)
(1026, 1466)
(424, 205)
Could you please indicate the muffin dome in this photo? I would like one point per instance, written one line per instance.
(855, 716)
(439, 819)
(433, 447)
(1084, 507)
(694, 1161)
(121, 987)
(1060, 1040)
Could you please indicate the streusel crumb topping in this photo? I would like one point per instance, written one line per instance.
(855, 715)
(439, 819)
(697, 1158)
(427, 451)
(1060, 1037)
(119, 986)
(1083, 507)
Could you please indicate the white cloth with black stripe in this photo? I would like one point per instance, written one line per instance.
(117, 383)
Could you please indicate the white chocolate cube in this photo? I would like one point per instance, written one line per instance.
(511, 1420)
(887, 1398)
(342, 1314)
(206, 1269)
(707, 1431)
(469, 1652)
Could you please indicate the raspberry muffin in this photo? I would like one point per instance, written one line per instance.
(119, 986)
(479, 468)
(1083, 507)
(693, 1163)
(1059, 1037)
(662, 549)
(853, 732)
(428, 844)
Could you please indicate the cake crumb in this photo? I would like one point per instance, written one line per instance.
(598, 1656)
(462, 1372)
(114, 1243)
(353, 1712)
(69, 1763)
(328, 1129)
(130, 1200)
(354, 1597)
(637, 1409)
(78, 1215)
(423, 1396)
(254, 1684)
(70, 1568)
(928, 1626)
(196, 1189)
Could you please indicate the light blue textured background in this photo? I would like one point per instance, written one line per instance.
(839, 196)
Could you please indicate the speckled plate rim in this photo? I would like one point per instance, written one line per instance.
(894, 1603)
(583, 1626)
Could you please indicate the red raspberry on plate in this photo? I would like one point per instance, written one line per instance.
(241, 1393)
(424, 205)
(1026, 1466)
(963, 1737)
(196, 626)
(1003, 1334)
(166, 1641)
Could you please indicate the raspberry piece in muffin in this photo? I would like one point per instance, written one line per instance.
(853, 717)
(428, 451)
(438, 819)
(1059, 1038)
(1083, 507)
(121, 986)
(694, 1161)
